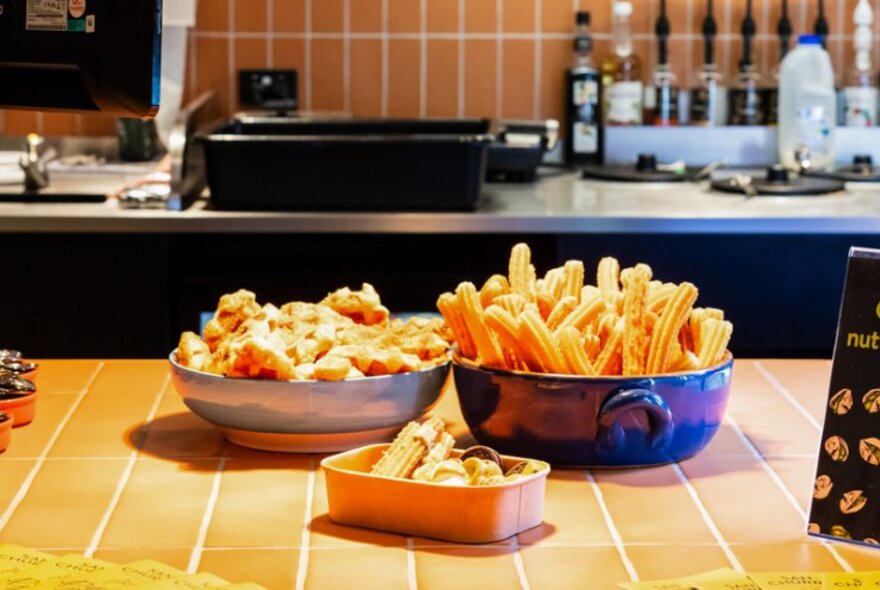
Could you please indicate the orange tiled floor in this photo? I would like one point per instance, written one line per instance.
(115, 466)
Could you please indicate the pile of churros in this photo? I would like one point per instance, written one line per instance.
(627, 324)
(422, 452)
(347, 335)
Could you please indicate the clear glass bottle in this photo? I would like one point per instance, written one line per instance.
(709, 98)
(860, 93)
(622, 73)
(583, 138)
(746, 100)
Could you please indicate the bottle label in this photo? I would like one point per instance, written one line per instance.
(585, 128)
(814, 130)
(624, 104)
(861, 106)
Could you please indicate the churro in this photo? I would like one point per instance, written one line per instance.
(608, 275)
(538, 339)
(635, 329)
(506, 328)
(584, 314)
(520, 271)
(665, 335)
(495, 286)
(450, 308)
(472, 311)
(609, 360)
(714, 336)
(569, 342)
(561, 311)
(574, 279)
(408, 448)
(512, 303)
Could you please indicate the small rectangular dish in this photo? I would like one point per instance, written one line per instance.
(462, 514)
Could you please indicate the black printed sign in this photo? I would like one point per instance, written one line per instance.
(846, 491)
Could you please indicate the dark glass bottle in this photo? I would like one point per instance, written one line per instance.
(583, 133)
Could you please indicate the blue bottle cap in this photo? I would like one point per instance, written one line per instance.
(809, 40)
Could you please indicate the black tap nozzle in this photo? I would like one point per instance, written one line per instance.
(748, 34)
(784, 30)
(710, 30)
(821, 25)
(662, 29)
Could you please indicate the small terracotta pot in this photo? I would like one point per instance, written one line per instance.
(22, 406)
(6, 421)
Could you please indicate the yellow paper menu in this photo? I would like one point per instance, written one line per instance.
(685, 583)
(14, 558)
(244, 586)
(845, 581)
(52, 571)
(788, 581)
(189, 582)
(740, 583)
(129, 575)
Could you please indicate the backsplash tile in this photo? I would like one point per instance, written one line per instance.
(407, 58)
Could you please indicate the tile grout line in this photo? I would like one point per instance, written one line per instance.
(499, 59)
(412, 581)
(385, 57)
(270, 33)
(126, 473)
(29, 480)
(787, 395)
(689, 45)
(765, 25)
(423, 58)
(612, 528)
(196, 556)
(346, 55)
(230, 55)
(520, 566)
(460, 79)
(307, 54)
(701, 508)
(536, 99)
(302, 570)
(784, 488)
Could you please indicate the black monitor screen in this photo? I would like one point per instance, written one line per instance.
(81, 55)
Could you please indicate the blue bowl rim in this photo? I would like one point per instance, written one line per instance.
(726, 363)
(172, 358)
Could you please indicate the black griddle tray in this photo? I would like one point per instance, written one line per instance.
(277, 164)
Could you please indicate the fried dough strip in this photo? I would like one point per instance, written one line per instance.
(714, 336)
(665, 335)
(635, 329)
(473, 316)
(574, 279)
(494, 286)
(554, 283)
(506, 327)
(608, 275)
(569, 342)
(512, 303)
(608, 362)
(545, 304)
(563, 308)
(539, 341)
(450, 307)
(520, 271)
(587, 311)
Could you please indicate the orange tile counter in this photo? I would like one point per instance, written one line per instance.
(114, 466)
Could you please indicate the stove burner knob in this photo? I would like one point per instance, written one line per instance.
(777, 173)
(646, 163)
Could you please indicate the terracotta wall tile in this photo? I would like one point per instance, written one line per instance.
(558, 16)
(212, 68)
(290, 53)
(403, 78)
(555, 58)
(518, 16)
(20, 122)
(442, 16)
(327, 83)
(97, 124)
(366, 15)
(289, 15)
(480, 67)
(212, 15)
(600, 14)
(404, 16)
(442, 78)
(366, 78)
(519, 79)
(250, 15)
(327, 16)
(480, 16)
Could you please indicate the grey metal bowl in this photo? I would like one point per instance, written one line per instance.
(308, 416)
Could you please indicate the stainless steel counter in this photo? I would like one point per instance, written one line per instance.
(559, 203)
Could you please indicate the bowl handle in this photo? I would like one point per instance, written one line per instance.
(611, 437)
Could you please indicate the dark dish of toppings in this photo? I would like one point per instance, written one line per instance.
(10, 382)
(4, 417)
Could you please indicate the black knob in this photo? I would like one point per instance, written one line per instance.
(863, 159)
(646, 163)
(777, 173)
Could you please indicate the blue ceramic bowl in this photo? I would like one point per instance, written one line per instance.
(594, 421)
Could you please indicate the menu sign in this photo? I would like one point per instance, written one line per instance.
(846, 491)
